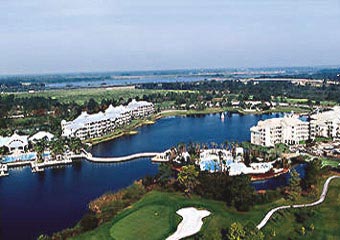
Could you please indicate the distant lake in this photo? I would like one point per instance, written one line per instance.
(74, 83)
(31, 204)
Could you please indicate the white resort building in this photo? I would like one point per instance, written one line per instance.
(15, 143)
(288, 130)
(40, 136)
(99, 124)
(326, 124)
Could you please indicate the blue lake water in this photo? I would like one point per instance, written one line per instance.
(124, 81)
(31, 204)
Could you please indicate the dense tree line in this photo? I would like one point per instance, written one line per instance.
(327, 74)
(234, 190)
(261, 91)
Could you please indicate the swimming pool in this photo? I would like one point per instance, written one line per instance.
(210, 165)
(22, 157)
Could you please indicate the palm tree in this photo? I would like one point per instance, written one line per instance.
(39, 148)
(181, 148)
(75, 145)
(220, 158)
(198, 149)
(57, 148)
(2, 151)
(165, 173)
(188, 178)
(227, 144)
(213, 145)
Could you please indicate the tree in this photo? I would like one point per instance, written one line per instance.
(236, 232)
(246, 158)
(57, 148)
(213, 186)
(88, 222)
(92, 106)
(75, 145)
(312, 173)
(43, 237)
(39, 148)
(164, 173)
(294, 185)
(3, 151)
(241, 193)
(188, 178)
(303, 230)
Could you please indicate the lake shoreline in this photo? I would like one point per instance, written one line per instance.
(132, 129)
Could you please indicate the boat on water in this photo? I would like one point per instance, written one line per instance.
(271, 174)
(222, 116)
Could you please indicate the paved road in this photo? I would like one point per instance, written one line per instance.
(321, 199)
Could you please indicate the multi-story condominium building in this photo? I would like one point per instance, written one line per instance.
(288, 130)
(87, 126)
(326, 124)
(140, 109)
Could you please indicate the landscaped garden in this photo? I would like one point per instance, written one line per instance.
(147, 209)
(154, 217)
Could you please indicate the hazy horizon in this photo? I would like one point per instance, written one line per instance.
(74, 36)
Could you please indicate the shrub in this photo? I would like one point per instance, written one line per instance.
(147, 181)
(88, 222)
(303, 215)
(134, 192)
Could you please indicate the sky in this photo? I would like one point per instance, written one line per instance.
(49, 36)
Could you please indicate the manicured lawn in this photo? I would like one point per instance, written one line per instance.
(297, 100)
(81, 95)
(136, 221)
(329, 162)
(154, 217)
(149, 222)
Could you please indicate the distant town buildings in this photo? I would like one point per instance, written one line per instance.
(326, 124)
(88, 126)
(288, 130)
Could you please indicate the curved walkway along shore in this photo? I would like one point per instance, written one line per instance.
(322, 198)
(91, 158)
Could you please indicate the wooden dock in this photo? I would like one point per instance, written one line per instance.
(3, 170)
(40, 167)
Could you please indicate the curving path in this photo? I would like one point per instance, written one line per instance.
(121, 159)
(191, 223)
(321, 199)
(91, 158)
